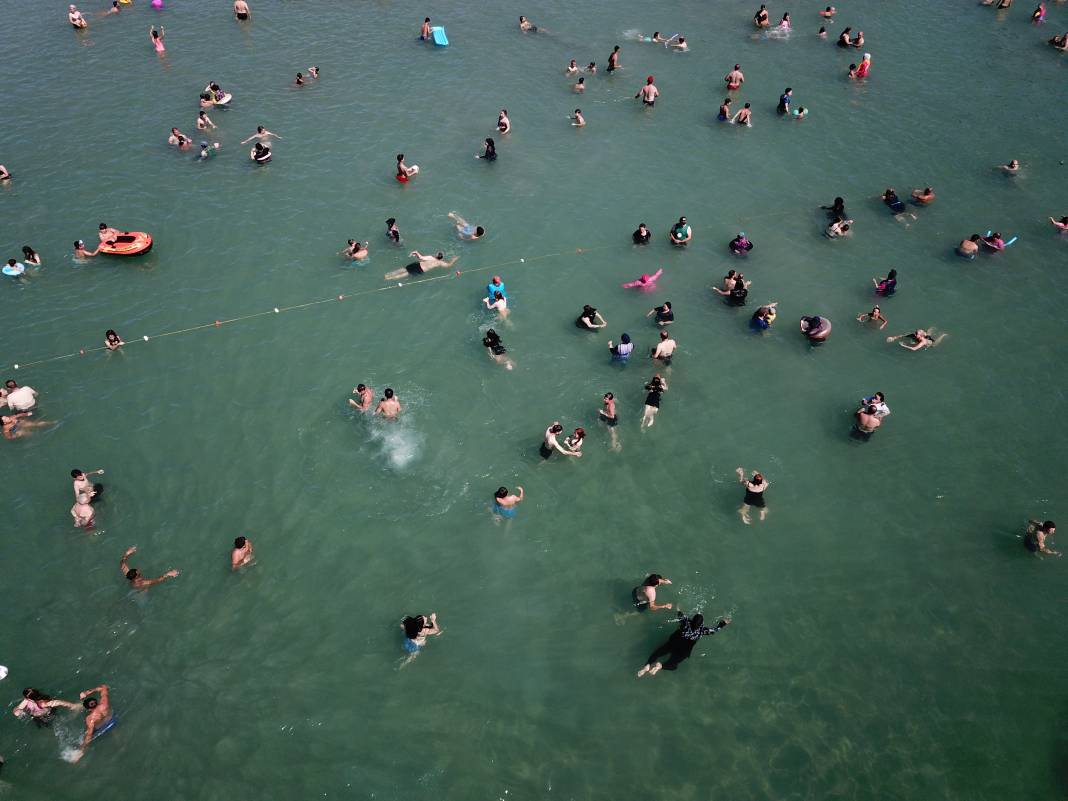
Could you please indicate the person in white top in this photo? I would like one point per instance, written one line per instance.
(19, 399)
(878, 400)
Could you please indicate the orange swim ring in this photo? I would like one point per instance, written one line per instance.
(128, 243)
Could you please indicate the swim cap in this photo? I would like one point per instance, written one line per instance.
(649, 79)
(645, 277)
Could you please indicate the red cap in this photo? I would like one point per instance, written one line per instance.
(649, 79)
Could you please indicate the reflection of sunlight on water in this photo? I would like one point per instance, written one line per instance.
(400, 446)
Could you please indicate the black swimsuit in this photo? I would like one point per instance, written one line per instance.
(754, 498)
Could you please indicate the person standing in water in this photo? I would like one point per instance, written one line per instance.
(754, 495)
(654, 389)
(1035, 539)
(613, 60)
(644, 596)
(648, 93)
(680, 233)
(664, 348)
(680, 644)
(366, 396)
(734, 79)
(866, 420)
(241, 554)
(874, 316)
(416, 629)
(241, 11)
(98, 717)
(389, 407)
(133, 575)
(607, 413)
(504, 504)
(424, 32)
(82, 484)
(82, 512)
(156, 37)
(550, 443)
(75, 18)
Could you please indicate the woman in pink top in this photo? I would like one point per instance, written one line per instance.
(645, 282)
(156, 37)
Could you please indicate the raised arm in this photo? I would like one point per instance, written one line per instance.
(123, 566)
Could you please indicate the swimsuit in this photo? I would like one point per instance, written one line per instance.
(498, 509)
(545, 451)
(610, 421)
(856, 433)
(653, 399)
(415, 268)
(622, 351)
(639, 239)
(641, 601)
(242, 15)
(754, 498)
(411, 646)
(665, 316)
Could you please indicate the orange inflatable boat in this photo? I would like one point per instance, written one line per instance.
(129, 243)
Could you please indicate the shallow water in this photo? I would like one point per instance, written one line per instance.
(891, 636)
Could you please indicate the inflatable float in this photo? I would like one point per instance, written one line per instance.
(412, 172)
(111, 723)
(129, 243)
(15, 271)
(816, 329)
(437, 34)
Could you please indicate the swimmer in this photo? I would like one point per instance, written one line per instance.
(112, 341)
(75, 18)
(355, 251)
(205, 100)
(204, 122)
(838, 228)
(241, 555)
(755, 488)
(403, 170)
(763, 317)
(83, 486)
(115, 9)
(389, 407)
(878, 400)
(836, 209)
(574, 442)
(886, 286)
(865, 421)
(817, 329)
(680, 45)
(643, 235)
(613, 60)
(490, 153)
(526, 25)
(734, 79)
(504, 125)
(588, 319)
(724, 111)
(15, 269)
(681, 643)
(156, 37)
(366, 396)
(645, 282)
(18, 398)
(416, 630)
(969, 248)
(893, 202)
(577, 120)
(29, 255)
(1061, 225)
(865, 66)
(784, 101)
(260, 153)
(644, 596)
(924, 196)
(495, 348)
(498, 303)
(744, 117)
(657, 38)
(648, 93)
(39, 706)
(680, 233)
(1011, 168)
(921, 338)
(133, 575)
(1060, 42)
(81, 253)
(760, 19)
(654, 390)
(664, 349)
(740, 245)
(858, 40)
(392, 232)
(299, 80)
(784, 25)
(425, 262)
(591, 68)
(843, 38)
(852, 71)
(179, 139)
(207, 151)
(828, 12)
(994, 242)
(800, 113)
(82, 512)
(424, 32)
(622, 351)
(16, 426)
(1036, 536)
(261, 134)
(822, 32)
(664, 314)
(99, 715)
(464, 229)
(5, 174)
(550, 443)
(241, 11)
(579, 87)
(572, 68)
(495, 285)
(313, 72)
(504, 504)
(874, 316)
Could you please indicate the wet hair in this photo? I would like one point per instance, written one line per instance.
(76, 474)
(872, 409)
(609, 396)
(737, 66)
(880, 396)
(504, 111)
(578, 111)
(489, 142)
(412, 626)
(105, 225)
(667, 304)
(697, 619)
(588, 311)
(975, 238)
(731, 274)
(788, 90)
(997, 234)
(892, 274)
(822, 30)
(556, 428)
(388, 393)
(852, 67)
(747, 105)
(652, 580)
(10, 383)
(428, 18)
(110, 333)
(132, 573)
(240, 542)
(580, 433)
(1048, 525)
(582, 81)
(479, 230)
(90, 703)
(27, 251)
(34, 694)
(502, 492)
(625, 339)
(400, 157)
(663, 334)
(498, 296)
(205, 96)
(726, 101)
(12, 262)
(391, 222)
(361, 387)
(758, 478)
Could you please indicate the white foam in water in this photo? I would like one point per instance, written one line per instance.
(70, 755)
(400, 446)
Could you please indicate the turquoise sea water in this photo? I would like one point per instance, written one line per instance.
(891, 638)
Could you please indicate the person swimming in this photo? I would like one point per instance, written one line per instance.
(724, 110)
(504, 504)
(416, 629)
(645, 282)
(644, 595)
(490, 153)
(887, 286)
(892, 201)
(740, 245)
(260, 153)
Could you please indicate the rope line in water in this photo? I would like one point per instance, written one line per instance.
(310, 303)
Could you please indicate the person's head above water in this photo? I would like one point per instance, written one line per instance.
(698, 619)
(555, 428)
(649, 79)
(609, 396)
(132, 574)
(413, 626)
(76, 474)
(400, 157)
(588, 311)
(240, 542)
(625, 339)
(89, 703)
(663, 334)
(502, 492)
(758, 478)
(652, 580)
(388, 393)
(361, 387)
(391, 222)
(892, 275)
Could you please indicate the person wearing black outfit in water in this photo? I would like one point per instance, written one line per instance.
(680, 644)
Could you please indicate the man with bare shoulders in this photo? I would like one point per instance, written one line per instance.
(133, 575)
(241, 555)
(366, 397)
(867, 420)
(389, 407)
(425, 262)
(734, 79)
(645, 595)
(648, 93)
(98, 718)
(241, 10)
